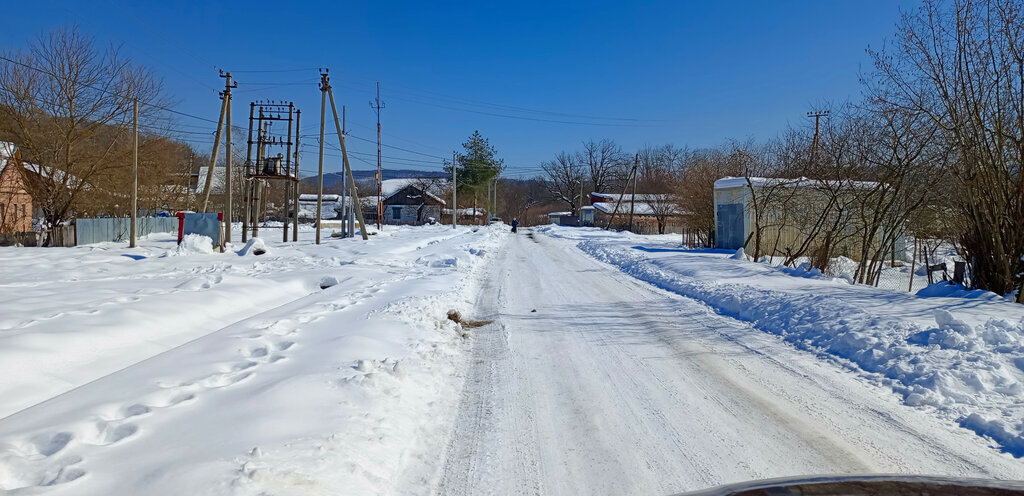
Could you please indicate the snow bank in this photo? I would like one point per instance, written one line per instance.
(945, 289)
(970, 372)
(192, 244)
(255, 246)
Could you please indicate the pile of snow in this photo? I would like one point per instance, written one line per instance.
(193, 244)
(944, 289)
(966, 362)
(255, 246)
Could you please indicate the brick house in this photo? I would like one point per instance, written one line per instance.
(15, 201)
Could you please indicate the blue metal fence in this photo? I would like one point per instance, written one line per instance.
(119, 229)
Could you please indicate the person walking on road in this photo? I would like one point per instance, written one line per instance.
(515, 224)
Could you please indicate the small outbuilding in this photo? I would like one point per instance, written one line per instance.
(788, 211)
(563, 219)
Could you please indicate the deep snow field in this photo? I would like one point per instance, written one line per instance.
(175, 370)
(333, 369)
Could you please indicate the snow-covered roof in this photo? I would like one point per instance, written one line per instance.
(628, 198)
(638, 208)
(312, 197)
(393, 193)
(465, 212)
(800, 182)
(390, 186)
(559, 214)
(6, 152)
(219, 179)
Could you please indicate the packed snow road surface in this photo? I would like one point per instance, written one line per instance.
(592, 382)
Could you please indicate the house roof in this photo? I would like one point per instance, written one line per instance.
(639, 208)
(312, 197)
(465, 212)
(6, 152)
(799, 182)
(559, 214)
(629, 198)
(399, 190)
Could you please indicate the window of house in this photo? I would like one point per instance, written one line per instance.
(396, 212)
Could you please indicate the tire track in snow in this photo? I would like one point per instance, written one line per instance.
(615, 386)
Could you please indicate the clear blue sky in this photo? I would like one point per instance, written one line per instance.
(689, 73)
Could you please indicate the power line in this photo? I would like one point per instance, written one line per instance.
(470, 102)
(535, 119)
(102, 90)
(279, 70)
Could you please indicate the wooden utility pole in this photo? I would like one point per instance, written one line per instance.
(348, 167)
(227, 154)
(135, 169)
(246, 183)
(377, 105)
(288, 182)
(213, 158)
(346, 199)
(455, 192)
(320, 169)
(295, 189)
(817, 114)
(632, 200)
(631, 175)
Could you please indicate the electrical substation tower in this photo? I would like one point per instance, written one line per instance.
(272, 158)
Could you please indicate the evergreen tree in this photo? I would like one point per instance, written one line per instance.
(477, 166)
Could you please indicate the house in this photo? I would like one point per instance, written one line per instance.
(330, 207)
(787, 211)
(651, 213)
(15, 200)
(467, 216)
(563, 219)
(411, 205)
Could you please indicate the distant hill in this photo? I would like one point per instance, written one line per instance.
(335, 177)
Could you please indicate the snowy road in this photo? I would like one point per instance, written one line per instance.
(592, 382)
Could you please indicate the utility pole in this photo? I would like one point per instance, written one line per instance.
(213, 157)
(632, 173)
(346, 199)
(455, 190)
(632, 201)
(227, 150)
(295, 189)
(288, 183)
(320, 170)
(135, 169)
(348, 167)
(817, 114)
(246, 186)
(377, 105)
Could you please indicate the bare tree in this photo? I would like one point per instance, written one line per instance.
(604, 161)
(67, 105)
(563, 178)
(658, 177)
(962, 66)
